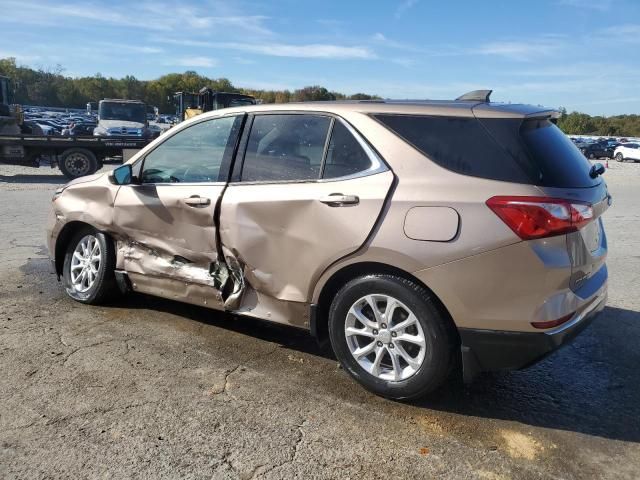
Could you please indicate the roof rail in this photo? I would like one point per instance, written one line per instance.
(475, 96)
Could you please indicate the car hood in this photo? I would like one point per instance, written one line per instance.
(120, 123)
(85, 179)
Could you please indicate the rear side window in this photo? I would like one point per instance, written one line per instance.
(459, 144)
(285, 148)
(345, 155)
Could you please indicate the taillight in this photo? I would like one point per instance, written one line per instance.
(540, 217)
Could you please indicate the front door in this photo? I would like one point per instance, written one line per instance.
(309, 193)
(166, 218)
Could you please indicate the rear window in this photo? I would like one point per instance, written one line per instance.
(510, 150)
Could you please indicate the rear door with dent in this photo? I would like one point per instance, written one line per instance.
(308, 191)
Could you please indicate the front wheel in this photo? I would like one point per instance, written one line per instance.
(390, 335)
(619, 157)
(88, 270)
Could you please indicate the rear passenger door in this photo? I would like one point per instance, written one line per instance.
(307, 190)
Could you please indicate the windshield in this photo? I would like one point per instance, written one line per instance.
(129, 112)
(238, 102)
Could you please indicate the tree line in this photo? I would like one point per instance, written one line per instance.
(576, 123)
(51, 88)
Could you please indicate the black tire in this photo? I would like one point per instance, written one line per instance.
(78, 162)
(440, 336)
(104, 286)
(619, 157)
(592, 156)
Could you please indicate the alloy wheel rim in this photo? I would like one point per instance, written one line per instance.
(85, 263)
(77, 164)
(385, 337)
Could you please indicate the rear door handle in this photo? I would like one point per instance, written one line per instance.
(339, 200)
(197, 201)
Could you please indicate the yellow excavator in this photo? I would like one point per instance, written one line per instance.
(190, 104)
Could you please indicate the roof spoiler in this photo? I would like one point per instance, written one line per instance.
(476, 96)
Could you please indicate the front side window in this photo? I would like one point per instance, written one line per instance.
(286, 147)
(194, 154)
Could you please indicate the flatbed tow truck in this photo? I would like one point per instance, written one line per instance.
(75, 156)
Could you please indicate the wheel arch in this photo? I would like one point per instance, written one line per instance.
(63, 239)
(320, 310)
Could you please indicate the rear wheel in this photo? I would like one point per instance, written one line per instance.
(78, 162)
(592, 156)
(390, 335)
(619, 157)
(88, 270)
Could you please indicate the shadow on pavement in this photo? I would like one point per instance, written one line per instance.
(590, 386)
(290, 337)
(56, 179)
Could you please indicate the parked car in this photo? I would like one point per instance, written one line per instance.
(406, 234)
(581, 142)
(597, 150)
(627, 151)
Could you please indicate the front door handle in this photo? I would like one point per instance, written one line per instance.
(197, 201)
(340, 200)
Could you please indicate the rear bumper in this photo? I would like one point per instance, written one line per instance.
(489, 350)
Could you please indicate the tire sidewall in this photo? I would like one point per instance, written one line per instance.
(91, 160)
(92, 293)
(437, 361)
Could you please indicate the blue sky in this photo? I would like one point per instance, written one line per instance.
(581, 54)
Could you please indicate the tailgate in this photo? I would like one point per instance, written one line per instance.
(588, 246)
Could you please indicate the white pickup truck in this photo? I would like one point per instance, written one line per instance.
(122, 118)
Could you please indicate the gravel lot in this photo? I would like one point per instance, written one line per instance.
(150, 388)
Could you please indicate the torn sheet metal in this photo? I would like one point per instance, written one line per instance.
(224, 279)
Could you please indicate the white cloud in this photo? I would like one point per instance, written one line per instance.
(19, 57)
(520, 50)
(317, 50)
(123, 47)
(156, 16)
(274, 49)
(403, 7)
(628, 33)
(600, 5)
(405, 62)
(195, 61)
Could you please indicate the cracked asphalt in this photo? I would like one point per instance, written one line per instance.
(150, 388)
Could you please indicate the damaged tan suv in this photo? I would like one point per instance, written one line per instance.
(413, 236)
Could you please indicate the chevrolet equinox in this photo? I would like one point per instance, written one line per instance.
(414, 236)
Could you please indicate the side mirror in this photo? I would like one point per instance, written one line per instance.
(596, 170)
(122, 175)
